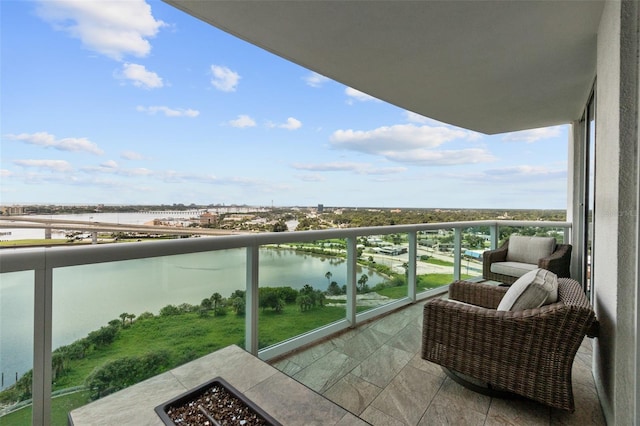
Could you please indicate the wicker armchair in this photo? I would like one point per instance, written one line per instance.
(558, 263)
(529, 353)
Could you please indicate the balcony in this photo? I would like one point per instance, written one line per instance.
(376, 372)
(388, 332)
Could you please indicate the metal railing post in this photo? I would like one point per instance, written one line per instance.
(42, 315)
(457, 253)
(352, 257)
(493, 232)
(412, 265)
(252, 297)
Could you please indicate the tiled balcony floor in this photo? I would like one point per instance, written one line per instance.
(376, 372)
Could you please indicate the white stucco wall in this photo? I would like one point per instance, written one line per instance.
(616, 234)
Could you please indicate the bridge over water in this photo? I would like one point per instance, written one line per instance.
(23, 222)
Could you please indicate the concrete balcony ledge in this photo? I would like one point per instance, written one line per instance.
(285, 399)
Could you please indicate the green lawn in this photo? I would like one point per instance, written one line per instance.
(434, 261)
(60, 407)
(18, 243)
(425, 282)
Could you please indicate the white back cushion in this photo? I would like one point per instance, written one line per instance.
(529, 249)
(531, 290)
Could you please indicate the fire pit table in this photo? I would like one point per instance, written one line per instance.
(282, 398)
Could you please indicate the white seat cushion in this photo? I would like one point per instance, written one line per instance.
(529, 249)
(513, 269)
(532, 290)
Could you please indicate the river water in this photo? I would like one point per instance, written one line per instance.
(88, 297)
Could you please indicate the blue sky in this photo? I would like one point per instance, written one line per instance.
(134, 102)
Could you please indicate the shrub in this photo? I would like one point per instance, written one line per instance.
(123, 372)
(103, 337)
(145, 315)
(169, 310)
(186, 308)
(287, 294)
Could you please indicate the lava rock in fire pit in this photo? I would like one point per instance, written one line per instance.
(215, 403)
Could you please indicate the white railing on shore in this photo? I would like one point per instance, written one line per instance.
(44, 260)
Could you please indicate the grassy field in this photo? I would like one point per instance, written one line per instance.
(60, 407)
(434, 261)
(425, 282)
(188, 336)
(20, 243)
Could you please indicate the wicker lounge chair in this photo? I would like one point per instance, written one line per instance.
(557, 260)
(529, 353)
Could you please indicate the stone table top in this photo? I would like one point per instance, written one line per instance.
(286, 400)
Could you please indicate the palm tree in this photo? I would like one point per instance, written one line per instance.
(328, 276)
(405, 265)
(131, 317)
(58, 364)
(216, 298)
(362, 281)
(205, 304)
(123, 316)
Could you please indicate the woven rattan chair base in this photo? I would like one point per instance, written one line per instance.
(479, 386)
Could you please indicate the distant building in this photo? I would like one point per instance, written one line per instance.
(12, 210)
(320, 208)
(208, 218)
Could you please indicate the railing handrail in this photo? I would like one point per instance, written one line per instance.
(24, 259)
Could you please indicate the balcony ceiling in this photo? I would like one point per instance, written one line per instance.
(489, 66)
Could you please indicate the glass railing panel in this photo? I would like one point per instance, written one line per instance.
(16, 346)
(475, 240)
(388, 256)
(118, 323)
(296, 282)
(435, 259)
(303, 287)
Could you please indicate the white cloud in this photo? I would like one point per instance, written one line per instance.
(315, 177)
(243, 121)
(140, 77)
(358, 95)
(5, 173)
(224, 79)
(337, 166)
(340, 166)
(291, 124)
(65, 144)
(131, 155)
(112, 168)
(526, 172)
(169, 112)
(408, 143)
(315, 80)
(398, 137)
(140, 171)
(426, 157)
(52, 165)
(111, 28)
(533, 135)
(109, 164)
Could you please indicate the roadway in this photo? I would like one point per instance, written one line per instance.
(20, 222)
(396, 262)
